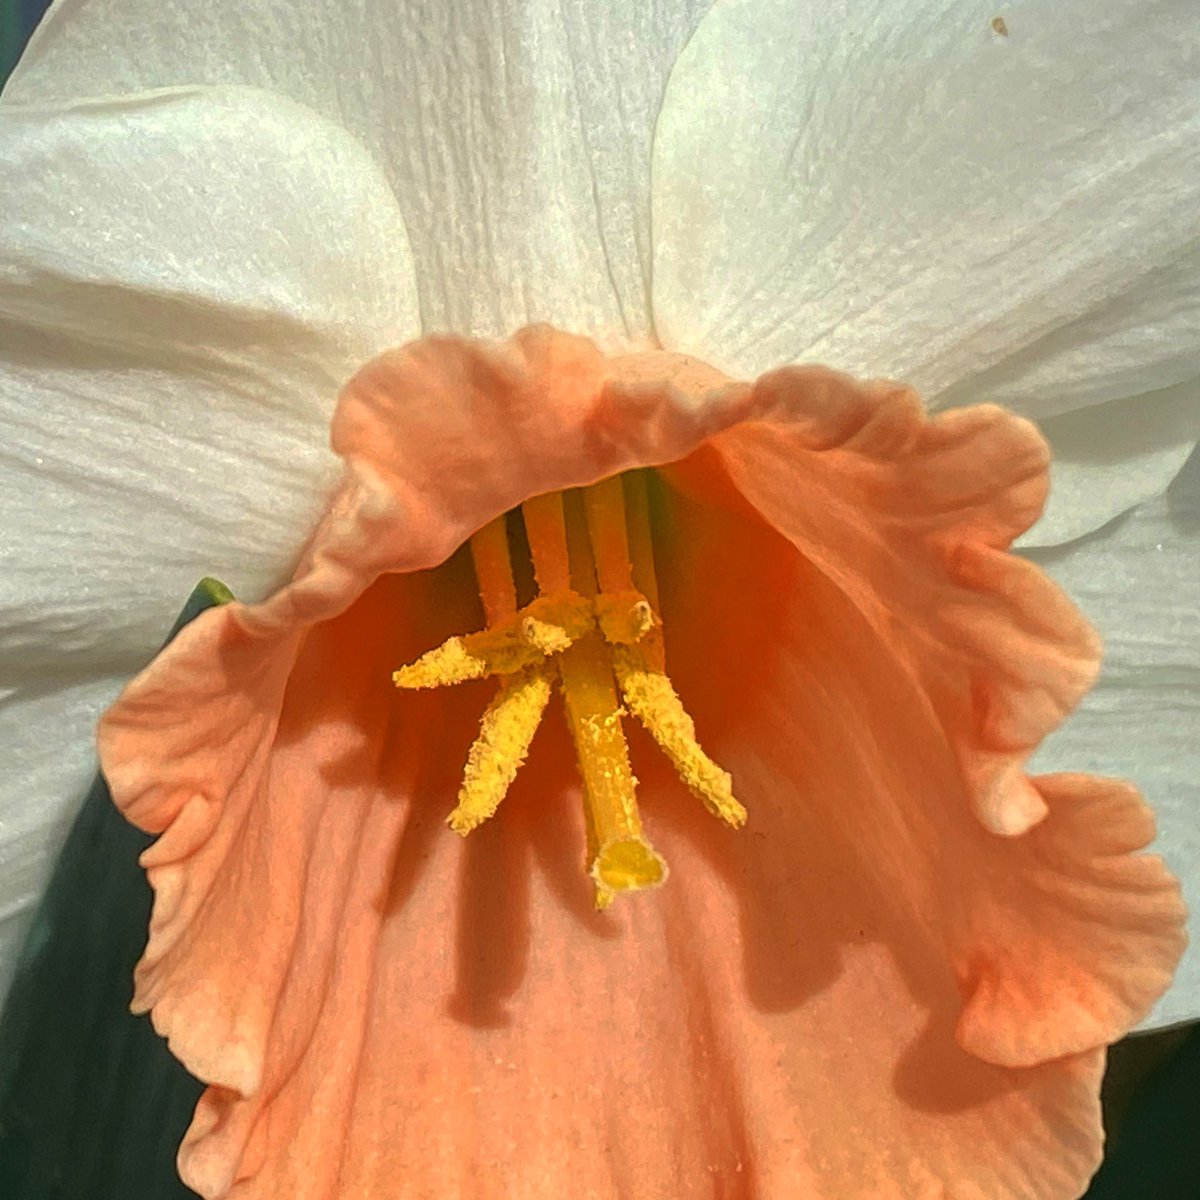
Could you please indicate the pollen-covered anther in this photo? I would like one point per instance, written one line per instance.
(500, 651)
(651, 697)
(624, 618)
(547, 626)
(505, 733)
(552, 623)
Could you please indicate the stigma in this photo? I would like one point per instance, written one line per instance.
(594, 631)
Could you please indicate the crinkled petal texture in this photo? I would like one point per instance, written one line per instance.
(1136, 578)
(866, 993)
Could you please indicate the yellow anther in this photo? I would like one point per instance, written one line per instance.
(545, 627)
(552, 623)
(512, 718)
(652, 698)
(505, 733)
(498, 651)
(624, 618)
(619, 521)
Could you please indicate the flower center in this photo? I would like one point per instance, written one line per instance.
(595, 629)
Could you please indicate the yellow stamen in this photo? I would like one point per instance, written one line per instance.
(596, 626)
(638, 660)
(515, 712)
(552, 623)
(623, 613)
(547, 626)
(619, 857)
(624, 618)
(653, 700)
(505, 732)
(499, 651)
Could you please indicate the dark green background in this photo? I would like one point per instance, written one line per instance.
(17, 19)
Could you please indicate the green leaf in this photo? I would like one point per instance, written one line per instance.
(1155, 1151)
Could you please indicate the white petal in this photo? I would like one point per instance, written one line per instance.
(1139, 580)
(185, 281)
(516, 135)
(1109, 457)
(49, 761)
(1142, 340)
(899, 190)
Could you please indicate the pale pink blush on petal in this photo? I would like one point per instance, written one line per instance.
(832, 1000)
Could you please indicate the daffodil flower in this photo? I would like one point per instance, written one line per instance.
(826, 567)
(720, 669)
